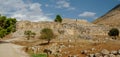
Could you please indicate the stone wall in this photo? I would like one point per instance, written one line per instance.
(68, 28)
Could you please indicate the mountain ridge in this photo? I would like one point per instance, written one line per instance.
(111, 18)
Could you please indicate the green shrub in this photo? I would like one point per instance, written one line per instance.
(47, 34)
(3, 32)
(29, 34)
(58, 18)
(7, 25)
(39, 55)
(113, 32)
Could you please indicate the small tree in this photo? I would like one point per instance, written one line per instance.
(47, 34)
(29, 34)
(113, 32)
(33, 34)
(58, 18)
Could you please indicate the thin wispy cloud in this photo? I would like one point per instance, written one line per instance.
(64, 4)
(46, 5)
(87, 14)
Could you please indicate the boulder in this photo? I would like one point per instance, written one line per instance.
(114, 52)
(98, 54)
(112, 55)
(93, 49)
(91, 55)
(105, 51)
(119, 51)
(74, 56)
(106, 56)
(84, 52)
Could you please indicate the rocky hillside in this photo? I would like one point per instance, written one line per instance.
(68, 28)
(111, 18)
(75, 38)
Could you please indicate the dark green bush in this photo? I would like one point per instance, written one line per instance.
(58, 18)
(7, 25)
(113, 32)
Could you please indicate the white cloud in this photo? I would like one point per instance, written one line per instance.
(71, 8)
(87, 14)
(64, 4)
(22, 11)
(46, 5)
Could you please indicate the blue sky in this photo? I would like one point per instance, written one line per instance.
(46, 10)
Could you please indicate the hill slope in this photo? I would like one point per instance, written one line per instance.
(70, 27)
(111, 18)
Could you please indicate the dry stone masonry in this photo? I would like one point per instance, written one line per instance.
(69, 27)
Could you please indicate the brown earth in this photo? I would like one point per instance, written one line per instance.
(76, 46)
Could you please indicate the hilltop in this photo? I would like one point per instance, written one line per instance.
(111, 18)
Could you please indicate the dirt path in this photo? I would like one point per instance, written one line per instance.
(11, 50)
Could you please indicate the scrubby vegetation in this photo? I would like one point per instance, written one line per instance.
(47, 34)
(7, 25)
(29, 34)
(39, 55)
(113, 32)
(58, 18)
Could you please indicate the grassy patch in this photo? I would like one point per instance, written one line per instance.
(39, 55)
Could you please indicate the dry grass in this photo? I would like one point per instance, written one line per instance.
(77, 47)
